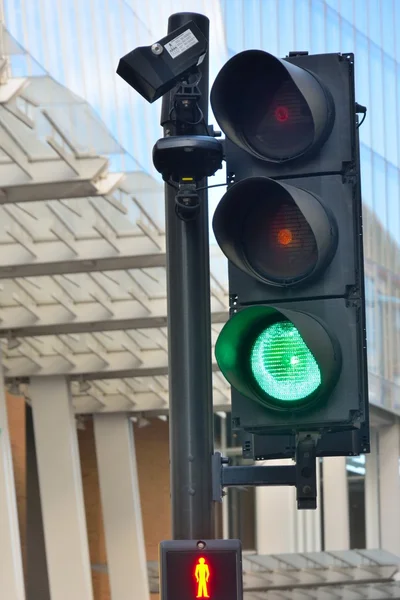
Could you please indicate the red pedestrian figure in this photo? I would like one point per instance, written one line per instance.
(202, 574)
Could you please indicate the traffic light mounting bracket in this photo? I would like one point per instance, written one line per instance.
(302, 475)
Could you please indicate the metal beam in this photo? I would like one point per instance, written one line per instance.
(25, 374)
(78, 187)
(21, 174)
(89, 255)
(26, 362)
(87, 317)
(135, 402)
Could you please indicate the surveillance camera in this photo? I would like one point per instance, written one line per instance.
(154, 70)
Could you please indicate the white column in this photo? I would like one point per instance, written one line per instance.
(60, 483)
(275, 517)
(312, 523)
(336, 504)
(11, 572)
(389, 487)
(280, 527)
(372, 495)
(122, 515)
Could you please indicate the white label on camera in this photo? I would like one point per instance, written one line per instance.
(180, 44)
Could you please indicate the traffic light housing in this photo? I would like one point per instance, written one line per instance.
(191, 569)
(294, 349)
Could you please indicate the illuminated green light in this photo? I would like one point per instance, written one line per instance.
(282, 364)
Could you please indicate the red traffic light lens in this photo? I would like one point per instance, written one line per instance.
(281, 114)
(272, 108)
(278, 242)
(279, 124)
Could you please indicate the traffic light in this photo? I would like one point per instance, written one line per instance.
(191, 569)
(294, 348)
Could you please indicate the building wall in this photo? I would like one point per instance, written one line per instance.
(152, 452)
(94, 520)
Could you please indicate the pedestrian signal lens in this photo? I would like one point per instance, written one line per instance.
(202, 576)
(194, 575)
(278, 241)
(282, 364)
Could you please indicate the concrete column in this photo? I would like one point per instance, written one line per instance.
(312, 523)
(280, 527)
(11, 570)
(389, 487)
(60, 483)
(372, 495)
(120, 499)
(336, 504)
(275, 527)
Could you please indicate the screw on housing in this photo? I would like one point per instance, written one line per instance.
(157, 49)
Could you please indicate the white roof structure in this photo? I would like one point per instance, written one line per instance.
(82, 256)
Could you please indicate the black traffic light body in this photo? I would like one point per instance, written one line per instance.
(340, 443)
(191, 569)
(290, 225)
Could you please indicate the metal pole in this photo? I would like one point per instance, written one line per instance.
(189, 343)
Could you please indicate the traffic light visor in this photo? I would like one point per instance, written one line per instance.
(280, 234)
(270, 107)
(281, 358)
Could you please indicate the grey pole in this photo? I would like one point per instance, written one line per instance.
(189, 342)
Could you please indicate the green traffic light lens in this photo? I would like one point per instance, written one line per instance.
(283, 365)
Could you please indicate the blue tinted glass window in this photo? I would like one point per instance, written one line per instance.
(302, 22)
(376, 100)
(317, 41)
(332, 31)
(270, 28)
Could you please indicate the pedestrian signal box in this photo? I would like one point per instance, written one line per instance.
(191, 569)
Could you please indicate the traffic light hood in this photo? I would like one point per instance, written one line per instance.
(280, 234)
(301, 360)
(270, 107)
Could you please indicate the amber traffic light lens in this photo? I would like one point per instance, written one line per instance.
(285, 236)
(278, 242)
